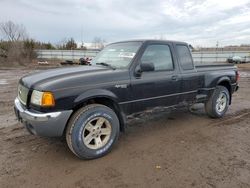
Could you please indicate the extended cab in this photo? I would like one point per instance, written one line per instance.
(89, 104)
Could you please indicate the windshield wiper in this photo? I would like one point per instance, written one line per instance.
(106, 65)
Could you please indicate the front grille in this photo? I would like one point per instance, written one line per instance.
(22, 94)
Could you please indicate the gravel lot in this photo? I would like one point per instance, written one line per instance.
(159, 149)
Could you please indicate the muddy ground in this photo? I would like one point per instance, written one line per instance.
(159, 149)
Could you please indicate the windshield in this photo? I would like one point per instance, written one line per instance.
(117, 55)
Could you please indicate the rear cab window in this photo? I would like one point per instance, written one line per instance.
(184, 57)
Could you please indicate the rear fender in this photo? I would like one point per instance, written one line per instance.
(225, 81)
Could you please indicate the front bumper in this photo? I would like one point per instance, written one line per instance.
(42, 124)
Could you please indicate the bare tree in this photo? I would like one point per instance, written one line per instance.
(160, 37)
(71, 44)
(67, 44)
(17, 47)
(98, 42)
(13, 32)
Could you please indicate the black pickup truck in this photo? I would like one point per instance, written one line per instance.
(89, 104)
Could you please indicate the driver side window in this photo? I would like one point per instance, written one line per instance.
(159, 55)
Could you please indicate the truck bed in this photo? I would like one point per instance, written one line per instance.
(214, 66)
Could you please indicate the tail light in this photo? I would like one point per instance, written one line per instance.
(237, 76)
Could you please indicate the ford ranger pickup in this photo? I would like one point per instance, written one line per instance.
(89, 104)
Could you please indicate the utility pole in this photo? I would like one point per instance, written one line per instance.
(82, 43)
(217, 45)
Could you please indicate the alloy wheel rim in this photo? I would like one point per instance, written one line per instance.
(96, 133)
(221, 102)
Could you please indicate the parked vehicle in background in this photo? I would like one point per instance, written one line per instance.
(42, 62)
(84, 61)
(89, 104)
(236, 59)
(68, 62)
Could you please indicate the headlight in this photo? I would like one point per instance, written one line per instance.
(45, 99)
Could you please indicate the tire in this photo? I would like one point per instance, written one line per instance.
(216, 106)
(92, 131)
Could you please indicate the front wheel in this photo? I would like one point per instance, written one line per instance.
(92, 131)
(218, 103)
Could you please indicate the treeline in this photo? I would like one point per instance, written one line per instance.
(70, 44)
(16, 47)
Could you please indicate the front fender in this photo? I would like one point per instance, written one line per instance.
(94, 93)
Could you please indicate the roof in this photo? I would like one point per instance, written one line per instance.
(150, 40)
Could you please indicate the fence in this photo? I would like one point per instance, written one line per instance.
(199, 57)
(66, 54)
(218, 56)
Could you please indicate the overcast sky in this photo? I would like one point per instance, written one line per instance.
(199, 22)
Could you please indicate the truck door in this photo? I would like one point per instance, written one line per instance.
(191, 80)
(158, 87)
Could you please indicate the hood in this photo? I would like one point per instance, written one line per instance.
(54, 78)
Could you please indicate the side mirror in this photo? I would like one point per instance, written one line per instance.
(147, 67)
(144, 67)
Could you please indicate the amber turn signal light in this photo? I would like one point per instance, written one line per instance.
(48, 99)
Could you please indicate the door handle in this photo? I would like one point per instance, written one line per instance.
(175, 78)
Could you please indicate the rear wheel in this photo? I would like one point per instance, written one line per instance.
(92, 131)
(218, 102)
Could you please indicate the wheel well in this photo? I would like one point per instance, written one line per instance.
(107, 102)
(227, 85)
